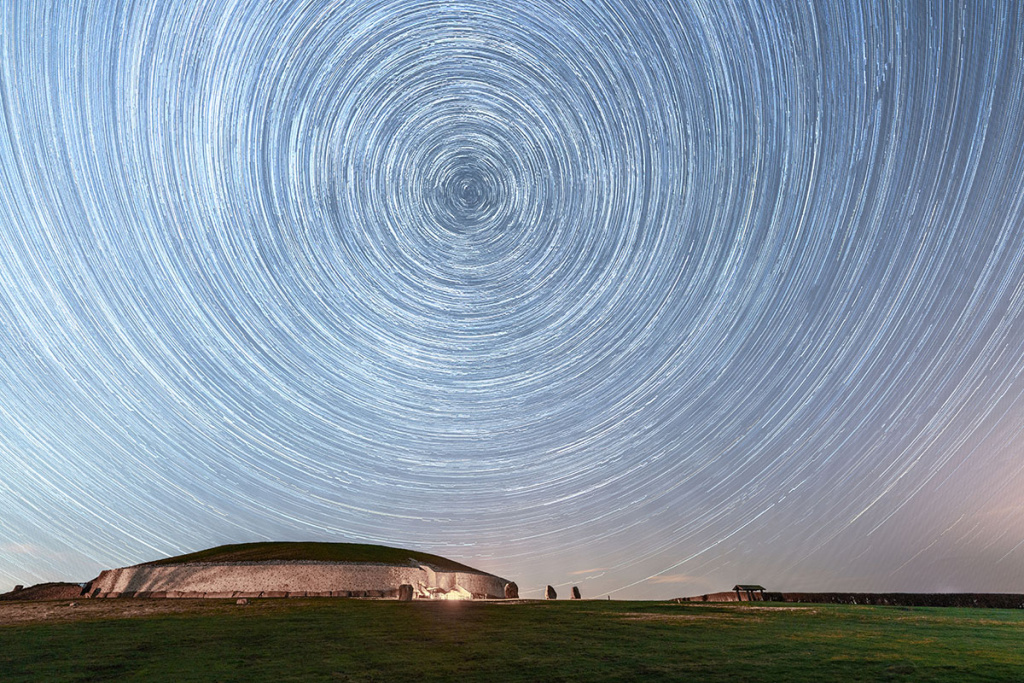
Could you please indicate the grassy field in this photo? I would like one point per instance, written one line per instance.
(320, 552)
(362, 640)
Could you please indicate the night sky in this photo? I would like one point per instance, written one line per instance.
(649, 297)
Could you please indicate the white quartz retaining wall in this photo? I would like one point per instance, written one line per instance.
(273, 579)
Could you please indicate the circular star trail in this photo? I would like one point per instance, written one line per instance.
(633, 293)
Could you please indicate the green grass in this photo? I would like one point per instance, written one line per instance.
(322, 552)
(355, 640)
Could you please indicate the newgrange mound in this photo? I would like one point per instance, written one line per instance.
(291, 569)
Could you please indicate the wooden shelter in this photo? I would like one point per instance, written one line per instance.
(753, 592)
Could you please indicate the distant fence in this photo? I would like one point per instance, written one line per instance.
(990, 600)
(984, 600)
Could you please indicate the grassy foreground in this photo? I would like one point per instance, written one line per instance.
(359, 640)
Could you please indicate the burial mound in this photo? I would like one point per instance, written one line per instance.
(282, 569)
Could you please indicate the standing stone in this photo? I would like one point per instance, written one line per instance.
(575, 593)
(511, 591)
(550, 594)
(405, 592)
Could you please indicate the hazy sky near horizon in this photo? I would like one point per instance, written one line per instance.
(649, 297)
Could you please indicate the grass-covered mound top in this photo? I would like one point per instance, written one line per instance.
(316, 552)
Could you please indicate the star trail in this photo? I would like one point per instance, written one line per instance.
(649, 297)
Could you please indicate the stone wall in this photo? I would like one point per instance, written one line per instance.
(284, 579)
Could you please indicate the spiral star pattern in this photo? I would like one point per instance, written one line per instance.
(652, 296)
